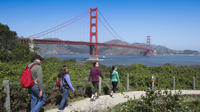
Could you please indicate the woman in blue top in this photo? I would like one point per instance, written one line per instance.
(65, 86)
(114, 76)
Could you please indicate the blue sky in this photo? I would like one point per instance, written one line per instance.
(171, 23)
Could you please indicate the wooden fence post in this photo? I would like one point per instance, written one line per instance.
(153, 80)
(152, 84)
(127, 82)
(7, 90)
(174, 78)
(193, 82)
(100, 85)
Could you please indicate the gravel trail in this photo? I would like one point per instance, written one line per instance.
(105, 102)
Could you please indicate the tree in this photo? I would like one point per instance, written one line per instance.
(10, 47)
(21, 52)
(8, 39)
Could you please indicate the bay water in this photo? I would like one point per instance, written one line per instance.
(128, 60)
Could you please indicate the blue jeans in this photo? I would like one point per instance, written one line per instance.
(63, 102)
(36, 101)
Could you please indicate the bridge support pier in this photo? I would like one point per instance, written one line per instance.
(93, 52)
(148, 46)
(31, 44)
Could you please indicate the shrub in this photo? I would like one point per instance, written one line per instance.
(155, 101)
(140, 79)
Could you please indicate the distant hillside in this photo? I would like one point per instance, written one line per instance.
(82, 49)
(51, 38)
(120, 50)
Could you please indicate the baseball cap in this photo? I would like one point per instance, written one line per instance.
(37, 57)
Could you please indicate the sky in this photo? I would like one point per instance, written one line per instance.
(171, 23)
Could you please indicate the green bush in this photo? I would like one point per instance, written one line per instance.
(193, 102)
(140, 79)
(140, 76)
(155, 101)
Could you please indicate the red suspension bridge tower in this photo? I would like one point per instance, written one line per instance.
(93, 33)
(148, 46)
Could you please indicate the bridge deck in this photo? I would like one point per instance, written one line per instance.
(44, 41)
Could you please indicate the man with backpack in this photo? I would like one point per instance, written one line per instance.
(37, 92)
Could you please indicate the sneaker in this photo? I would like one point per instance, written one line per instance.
(97, 97)
(111, 95)
(59, 111)
(92, 99)
(69, 105)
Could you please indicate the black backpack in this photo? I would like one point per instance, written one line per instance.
(65, 83)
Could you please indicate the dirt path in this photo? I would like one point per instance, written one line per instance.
(106, 101)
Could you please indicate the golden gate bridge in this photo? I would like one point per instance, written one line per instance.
(93, 46)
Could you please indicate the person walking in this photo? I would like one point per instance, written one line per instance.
(95, 72)
(114, 79)
(37, 91)
(64, 87)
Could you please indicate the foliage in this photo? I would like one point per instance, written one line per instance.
(4, 55)
(7, 37)
(193, 102)
(155, 101)
(21, 52)
(10, 47)
(139, 78)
